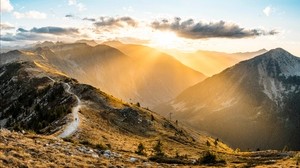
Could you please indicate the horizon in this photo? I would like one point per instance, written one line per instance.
(186, 26)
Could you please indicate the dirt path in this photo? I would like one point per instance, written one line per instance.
(73, 126)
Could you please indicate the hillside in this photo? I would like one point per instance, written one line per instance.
(149, 79)
(211, 62)
(250, 105)
(36, 98)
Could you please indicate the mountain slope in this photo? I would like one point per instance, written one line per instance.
(109, 131)
(210, 62)
(149, 79)
(158, 70)
(250, 105)
(35, 98)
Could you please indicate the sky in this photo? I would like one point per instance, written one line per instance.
(186, 25)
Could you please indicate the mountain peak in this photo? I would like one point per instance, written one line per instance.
(15, 52)
(278, 52)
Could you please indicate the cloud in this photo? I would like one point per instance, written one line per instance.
(51, 30)
(79, 6)
(21, 36)
(6, 26)
(268, 10)
(72, 2)
(89, 19)
(200, 30)
(69, 16)
(6, 6)
(30, 15)
(115, 22)
(43, 33)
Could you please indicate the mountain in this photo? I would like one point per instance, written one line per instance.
(36, 98)
(146, 76)
(253, 104)
(162, 73)
(39, 105)
(211, 62)
(88, 42)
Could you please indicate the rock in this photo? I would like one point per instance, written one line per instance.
(107, 152)
(95, 155)
(146, 164)
(106, 155)
(132, 159)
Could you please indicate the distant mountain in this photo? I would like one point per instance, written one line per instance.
(163, 75)
(88, 42)
(146, 76)
(211, 62)
(254, 104)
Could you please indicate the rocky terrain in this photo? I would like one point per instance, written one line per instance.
(32, 150)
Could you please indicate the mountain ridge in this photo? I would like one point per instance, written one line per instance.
(258, 91)
(147, 79)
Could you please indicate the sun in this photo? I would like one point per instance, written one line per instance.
(164, 40)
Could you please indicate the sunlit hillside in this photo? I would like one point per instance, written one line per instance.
(211, 62)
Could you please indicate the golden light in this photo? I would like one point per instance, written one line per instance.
(164, 39)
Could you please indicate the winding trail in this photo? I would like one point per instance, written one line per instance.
(73, 126)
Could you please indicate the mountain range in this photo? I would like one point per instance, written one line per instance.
(44, 104)
(253, 104)
(212, 62)
(146, 75)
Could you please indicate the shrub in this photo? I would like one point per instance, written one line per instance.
(100, 147)
(67, 139)
(85, 142)
(138, 104)
(207, 158)
(157, 149)
(207, 143)
(210, 158)
(216, 142)
(140, 149)
(152, 117)
(168, 160)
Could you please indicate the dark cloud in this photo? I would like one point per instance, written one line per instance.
(89, 19)
(51, 30)
(199, 30)
(22, 36)
(5, 26)
(22, 30)
(69, 16)
(39, 33)
(115, 22)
